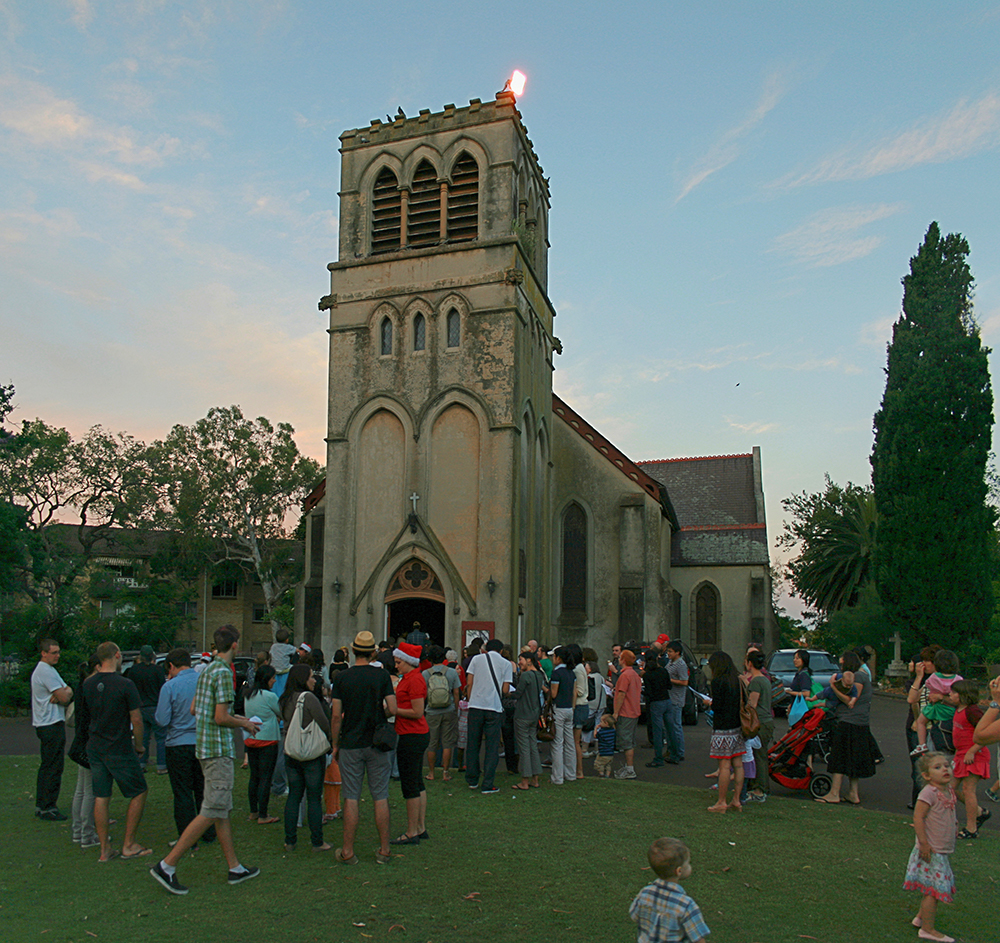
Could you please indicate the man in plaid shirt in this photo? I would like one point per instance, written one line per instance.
(663, 910)
(213, 698)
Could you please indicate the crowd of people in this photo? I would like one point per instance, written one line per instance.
(413, 711)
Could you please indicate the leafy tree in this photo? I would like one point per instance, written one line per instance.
(935, 556)
(103, 481)
(862, 623)
(237, 483)
(833, 535)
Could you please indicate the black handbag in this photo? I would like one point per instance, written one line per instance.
(385, 737)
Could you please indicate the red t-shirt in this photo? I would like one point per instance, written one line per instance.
(629, 682)
(410, 686)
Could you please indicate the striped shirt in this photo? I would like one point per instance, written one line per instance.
(666, 914)
(215, 686)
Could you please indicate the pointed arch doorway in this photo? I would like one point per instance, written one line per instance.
(415, 594)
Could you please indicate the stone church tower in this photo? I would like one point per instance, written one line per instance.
(437, 496)
(460, 492)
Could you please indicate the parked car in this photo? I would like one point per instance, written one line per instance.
(130, 657)
(781, 666)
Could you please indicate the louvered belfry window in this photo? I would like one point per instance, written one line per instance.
(423, 224)
(385, 213)
(463, 200)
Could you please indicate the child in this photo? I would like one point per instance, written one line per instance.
(940, 706)
(605, 745)
(928, 869)
(662, 909)
(749, 768)
(972, 763)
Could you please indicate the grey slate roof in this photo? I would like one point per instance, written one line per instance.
(719, 509)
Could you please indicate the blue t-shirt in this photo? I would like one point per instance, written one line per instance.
(566, 681)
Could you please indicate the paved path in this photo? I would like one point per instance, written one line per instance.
(887, 791)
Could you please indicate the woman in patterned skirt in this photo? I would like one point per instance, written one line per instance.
(728, 745)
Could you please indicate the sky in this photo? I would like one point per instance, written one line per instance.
(737, 190)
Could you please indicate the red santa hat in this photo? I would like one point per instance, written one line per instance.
(408, 653)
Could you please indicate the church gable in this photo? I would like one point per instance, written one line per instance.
(720, 507)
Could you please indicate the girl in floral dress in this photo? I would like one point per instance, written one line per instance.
(929, 870)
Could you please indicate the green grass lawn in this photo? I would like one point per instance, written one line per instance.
(554, 864)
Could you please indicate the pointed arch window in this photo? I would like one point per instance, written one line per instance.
(707, 617)
(574, 561)
(463, 199)
(385, 336)
(419, 332)
(386, 213)
(423, 217)
(454, 325)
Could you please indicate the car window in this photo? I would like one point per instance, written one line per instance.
(819, 661)
(782, 661)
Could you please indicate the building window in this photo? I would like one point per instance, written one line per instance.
(259, 612)
(423, 217)
(386, 337)
(386, 213)
(463, 199)
(225, 589)
(454, 328)
(419, 332)
(707, 617)
(187, 610)
(574, 558)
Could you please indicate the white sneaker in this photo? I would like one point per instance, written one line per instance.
(626, 772)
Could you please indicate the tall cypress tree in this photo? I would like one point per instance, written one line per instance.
(934, 557)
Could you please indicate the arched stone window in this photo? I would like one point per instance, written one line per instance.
(385, 333)
(454, 328)
(423, 216)
(386, 213)
(419, 332)
(463, 199)
(574, 561)
(707, 617)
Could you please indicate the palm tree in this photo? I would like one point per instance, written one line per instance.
(837, 543)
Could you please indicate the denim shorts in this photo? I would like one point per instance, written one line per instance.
(121, 768)
(580, 714)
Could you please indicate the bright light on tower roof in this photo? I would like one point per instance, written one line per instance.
(516, 82)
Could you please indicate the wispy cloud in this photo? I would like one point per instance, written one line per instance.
(82, 13)
(37, 118)
(730, 145)
(877, 333)
(755, 428)
(969, 127)
(831, 237)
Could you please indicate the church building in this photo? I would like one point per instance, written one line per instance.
(460, 492)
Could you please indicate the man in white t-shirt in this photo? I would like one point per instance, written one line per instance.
(49, 697)
(488, 680)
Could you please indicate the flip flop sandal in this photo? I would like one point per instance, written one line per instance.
(339, 855)
(983, 816)
(141, 853)
(405, 839)
(965, 833)
(111, 857)
(520, 788)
